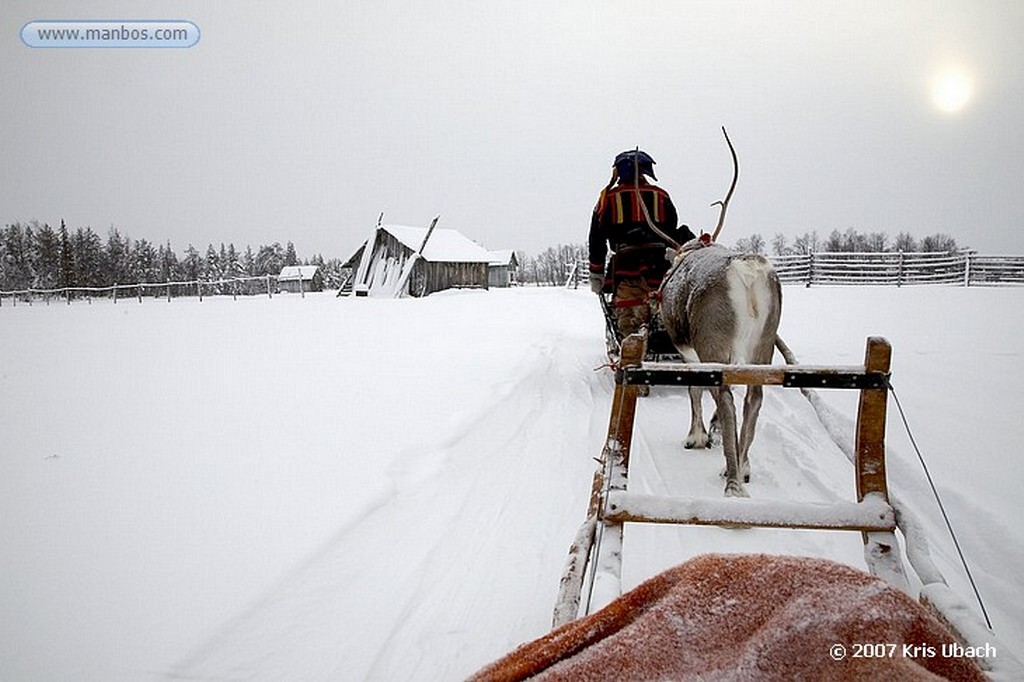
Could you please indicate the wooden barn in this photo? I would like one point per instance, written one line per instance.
(449, 260)
(503, 270)
(300, 278)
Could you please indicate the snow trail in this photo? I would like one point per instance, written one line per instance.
(329, 488)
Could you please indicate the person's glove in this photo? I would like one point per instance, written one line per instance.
(597, 283)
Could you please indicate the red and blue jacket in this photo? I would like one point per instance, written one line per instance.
(618, 222)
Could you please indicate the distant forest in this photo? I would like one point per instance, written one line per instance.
(41, 257)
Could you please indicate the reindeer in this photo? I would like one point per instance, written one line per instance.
(722, 306)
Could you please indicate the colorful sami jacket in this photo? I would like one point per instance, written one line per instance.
(637, 252)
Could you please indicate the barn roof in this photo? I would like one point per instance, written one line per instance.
(297, 272)
(445, 245)
(502, 257)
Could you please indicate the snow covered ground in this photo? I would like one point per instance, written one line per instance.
(328, 488)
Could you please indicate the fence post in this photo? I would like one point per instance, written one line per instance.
(967, 269)
(115, 293)
(199, 288)
(269, 295)
(899, 274)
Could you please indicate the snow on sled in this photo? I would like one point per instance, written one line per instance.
(748, 617)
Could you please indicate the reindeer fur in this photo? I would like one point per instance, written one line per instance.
(724, 307)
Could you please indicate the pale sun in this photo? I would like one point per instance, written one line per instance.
(952, 90)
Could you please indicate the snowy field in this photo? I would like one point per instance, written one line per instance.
(349, 489)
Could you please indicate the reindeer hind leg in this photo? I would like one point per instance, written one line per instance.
(727, 420)
(751, 408)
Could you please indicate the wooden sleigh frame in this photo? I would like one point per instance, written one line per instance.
(612, 505)
(598, 544)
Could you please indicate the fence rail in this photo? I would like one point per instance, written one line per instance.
(233, 286)
(894, 269)
(901, 269)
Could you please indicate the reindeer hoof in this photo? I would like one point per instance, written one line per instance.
(735, 489)
(697, 442)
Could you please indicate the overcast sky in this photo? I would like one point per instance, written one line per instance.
(303, 121)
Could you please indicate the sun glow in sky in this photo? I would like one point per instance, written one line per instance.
(952, 89)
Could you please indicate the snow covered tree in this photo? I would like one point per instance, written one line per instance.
(290, 257)
(230, 264)
(67, 258)
(16, 266)
(116, 266)
(167, 263)
(144, 262)
(939, 242)
(191, 265)
(270, 259)
(248, 262)
(46, 258)
(753, 244)
(905, 242)
(780, 245)
(806, 244)
(88, 259)
(212, 265)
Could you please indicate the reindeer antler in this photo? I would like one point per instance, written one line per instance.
(725, 203)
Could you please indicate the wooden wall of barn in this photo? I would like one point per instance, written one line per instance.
(430, 277)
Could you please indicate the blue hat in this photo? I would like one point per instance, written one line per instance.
(628, 162)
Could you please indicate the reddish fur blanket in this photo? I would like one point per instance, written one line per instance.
(750, 617)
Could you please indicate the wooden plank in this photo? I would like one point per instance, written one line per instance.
(873, 514)
(869, 448)
(713, 374)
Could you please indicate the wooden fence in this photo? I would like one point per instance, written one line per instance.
(901, 269)
(234, 287)
(895, 269)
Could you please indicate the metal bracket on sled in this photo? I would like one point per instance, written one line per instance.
(836, 380)
(680, 374)
(689, 377)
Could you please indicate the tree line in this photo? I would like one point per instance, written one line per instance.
(848, 241)
(37, 256)
(553, 266)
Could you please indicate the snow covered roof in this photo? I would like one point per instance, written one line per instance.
(445, 245)
(502, 257)
(297, 272)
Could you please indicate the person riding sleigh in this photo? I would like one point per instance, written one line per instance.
(621, 221)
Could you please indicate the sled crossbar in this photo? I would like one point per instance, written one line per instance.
(709, 374)
(872, 514)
